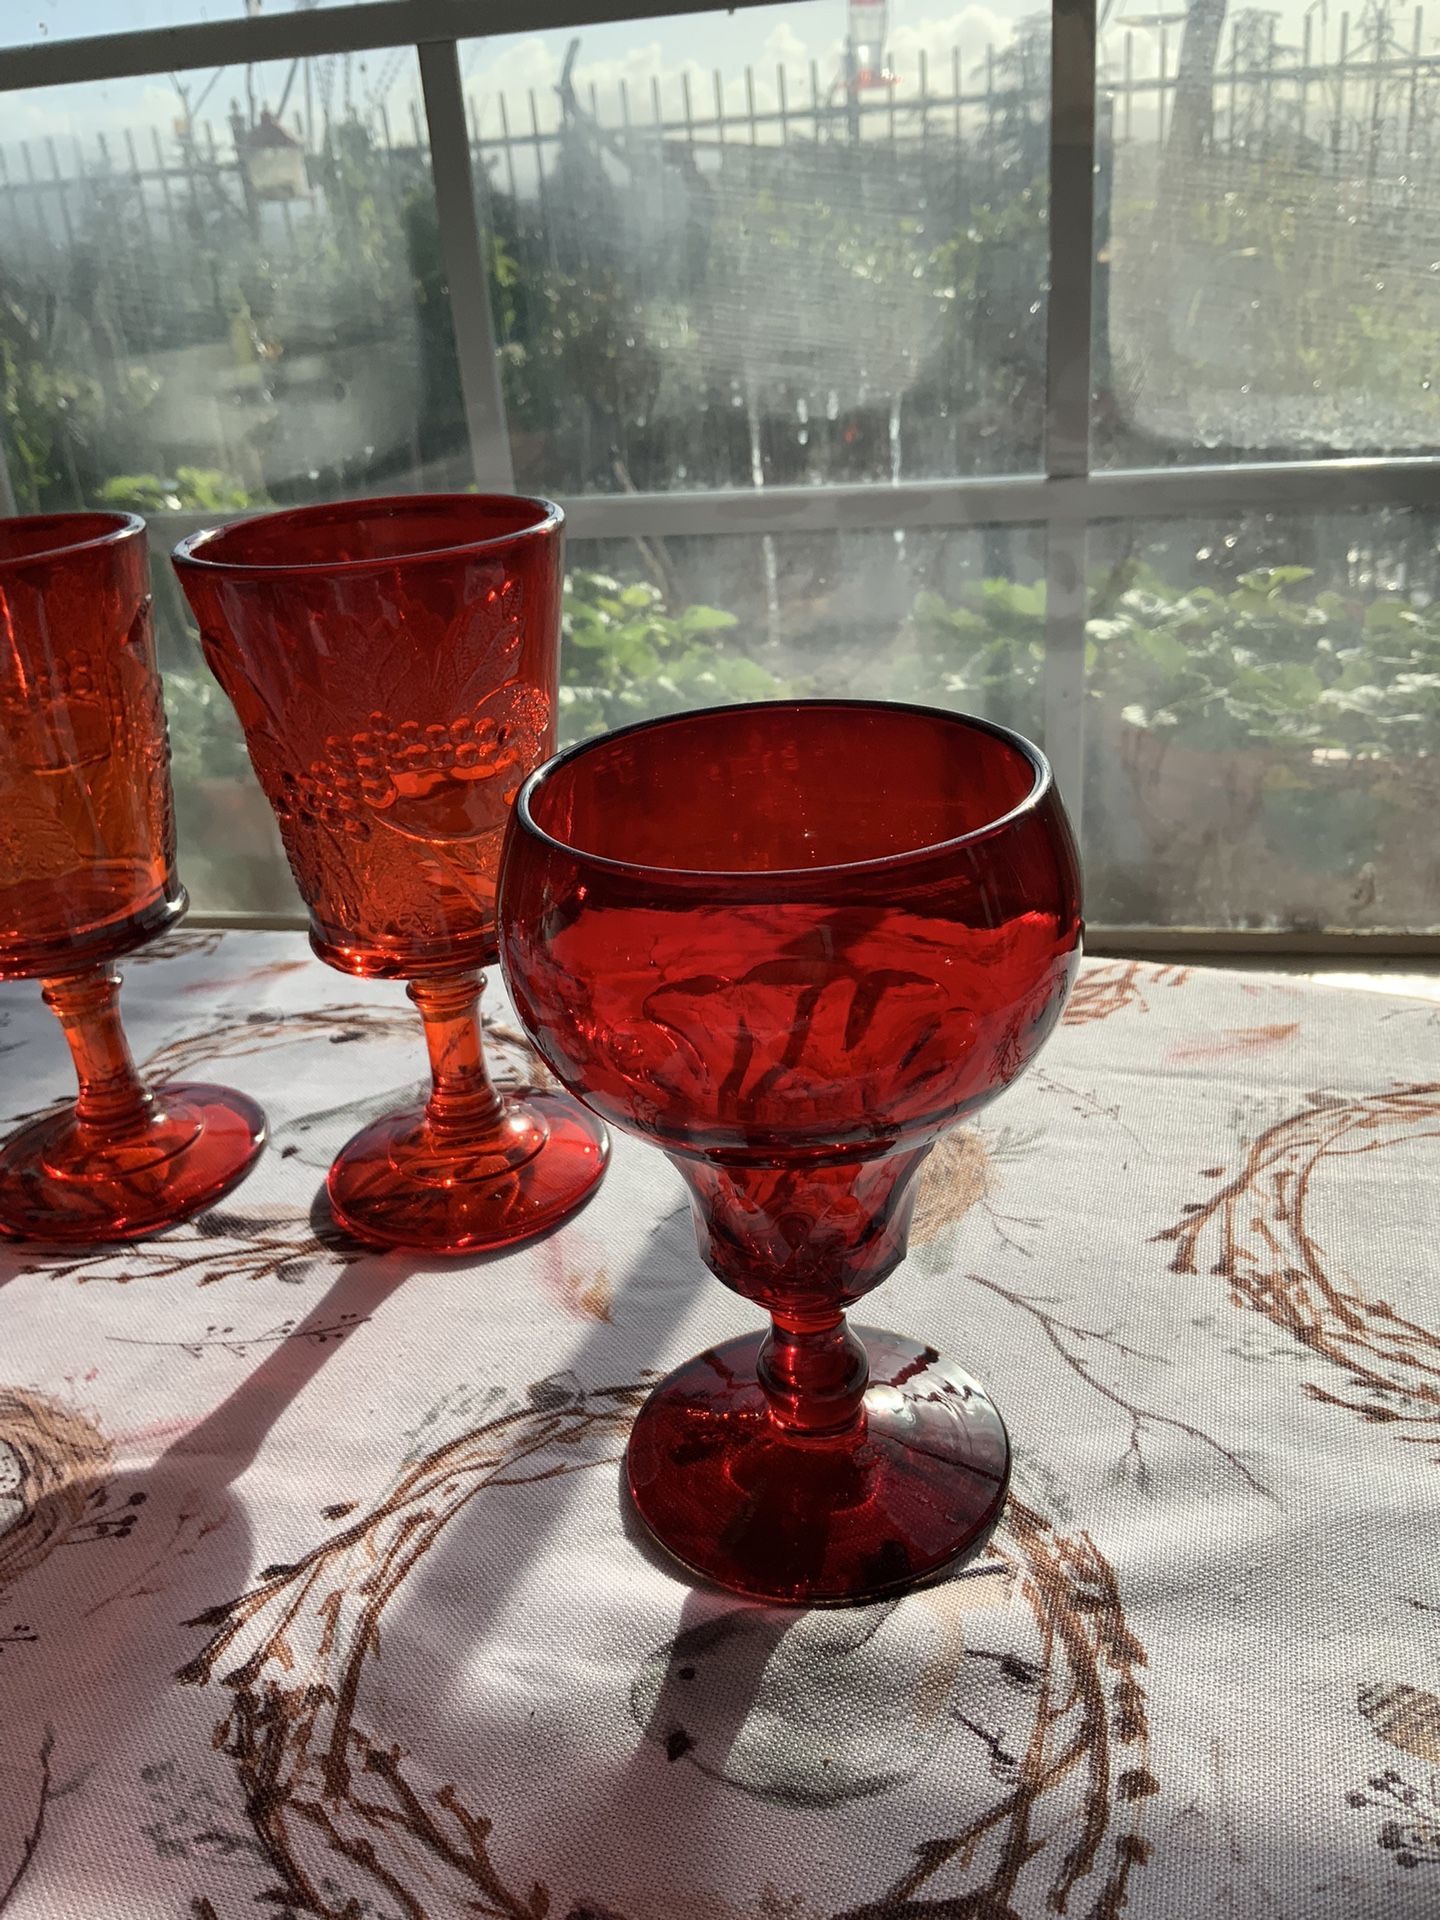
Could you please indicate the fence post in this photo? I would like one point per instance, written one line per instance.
(1234, 84)
(42, 228)
(1338, 128)
(1268, 89)
(462, 253)
(61, 189)
(625, 123)
(1303, 102)
(1129, 79)
(509, 149)
(925, 128)
(163, 174)
(1377, 116)
(547, 219)
(1417, 42)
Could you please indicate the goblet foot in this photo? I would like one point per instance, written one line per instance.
(63, 1182)
(819, 1520)
(402, 1183)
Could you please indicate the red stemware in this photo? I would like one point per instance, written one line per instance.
(87, 874)
(791, 944)
(394, 664)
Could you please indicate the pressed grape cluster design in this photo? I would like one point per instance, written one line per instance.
(392, 765)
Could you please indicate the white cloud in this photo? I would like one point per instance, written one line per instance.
(65, 114)
(783, 47)
(972, 30)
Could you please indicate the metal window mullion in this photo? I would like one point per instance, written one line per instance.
(1150, 493)
(462, 253)
(1067, 383)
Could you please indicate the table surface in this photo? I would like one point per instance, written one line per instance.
(318, 1594)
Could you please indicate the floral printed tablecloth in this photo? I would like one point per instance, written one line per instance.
(318, 1595)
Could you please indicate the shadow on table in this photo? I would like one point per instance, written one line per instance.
(103, 1644)
(110, 1651)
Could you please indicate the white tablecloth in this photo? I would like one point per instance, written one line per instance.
(318, 1594)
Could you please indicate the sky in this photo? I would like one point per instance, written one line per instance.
(791, 35)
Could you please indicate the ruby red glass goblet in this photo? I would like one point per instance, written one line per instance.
(393, 664)
(791, 944)
(87, 874)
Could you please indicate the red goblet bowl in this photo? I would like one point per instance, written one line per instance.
(87, 874)
(790, 944)
(393, 664)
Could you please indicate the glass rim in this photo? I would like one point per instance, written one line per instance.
(548, 517)
(1041, 785)
(120, 525)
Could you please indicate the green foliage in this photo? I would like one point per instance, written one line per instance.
(1270, 663)
(1321, 320)
(201, 489)
(53, 407)
(625, 657)
(205, 738)
(988, 653)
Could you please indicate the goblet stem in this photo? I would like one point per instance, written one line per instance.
(113, 1101)
(814, 1376)
(469, 1171)
(463, 1108)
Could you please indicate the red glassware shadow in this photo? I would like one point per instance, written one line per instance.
(87, 874)
(791, 944)
(394, 664)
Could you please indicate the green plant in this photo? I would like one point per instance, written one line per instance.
(625, 656)
(1268, 664)
(1265, 664)
(205, 738)
(988, 652)
(201, 489)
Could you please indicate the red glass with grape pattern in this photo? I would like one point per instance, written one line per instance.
(393, 664)
(87, 874)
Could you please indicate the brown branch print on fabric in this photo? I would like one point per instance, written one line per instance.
(54, 1471)
(963, 1172)
(327, 1798)
(1084, 1771)
(343, 1820)
(217, 1246)
(1254, 1233)
(1062, 1333)
(182, 943)
(956, 1177)
(1111, 986)
(237, 1343)
(31, 1844)
(1407, 1719)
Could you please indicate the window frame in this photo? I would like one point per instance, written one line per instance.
(1066, 497)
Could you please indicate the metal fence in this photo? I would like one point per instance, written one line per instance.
(1372, 110)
